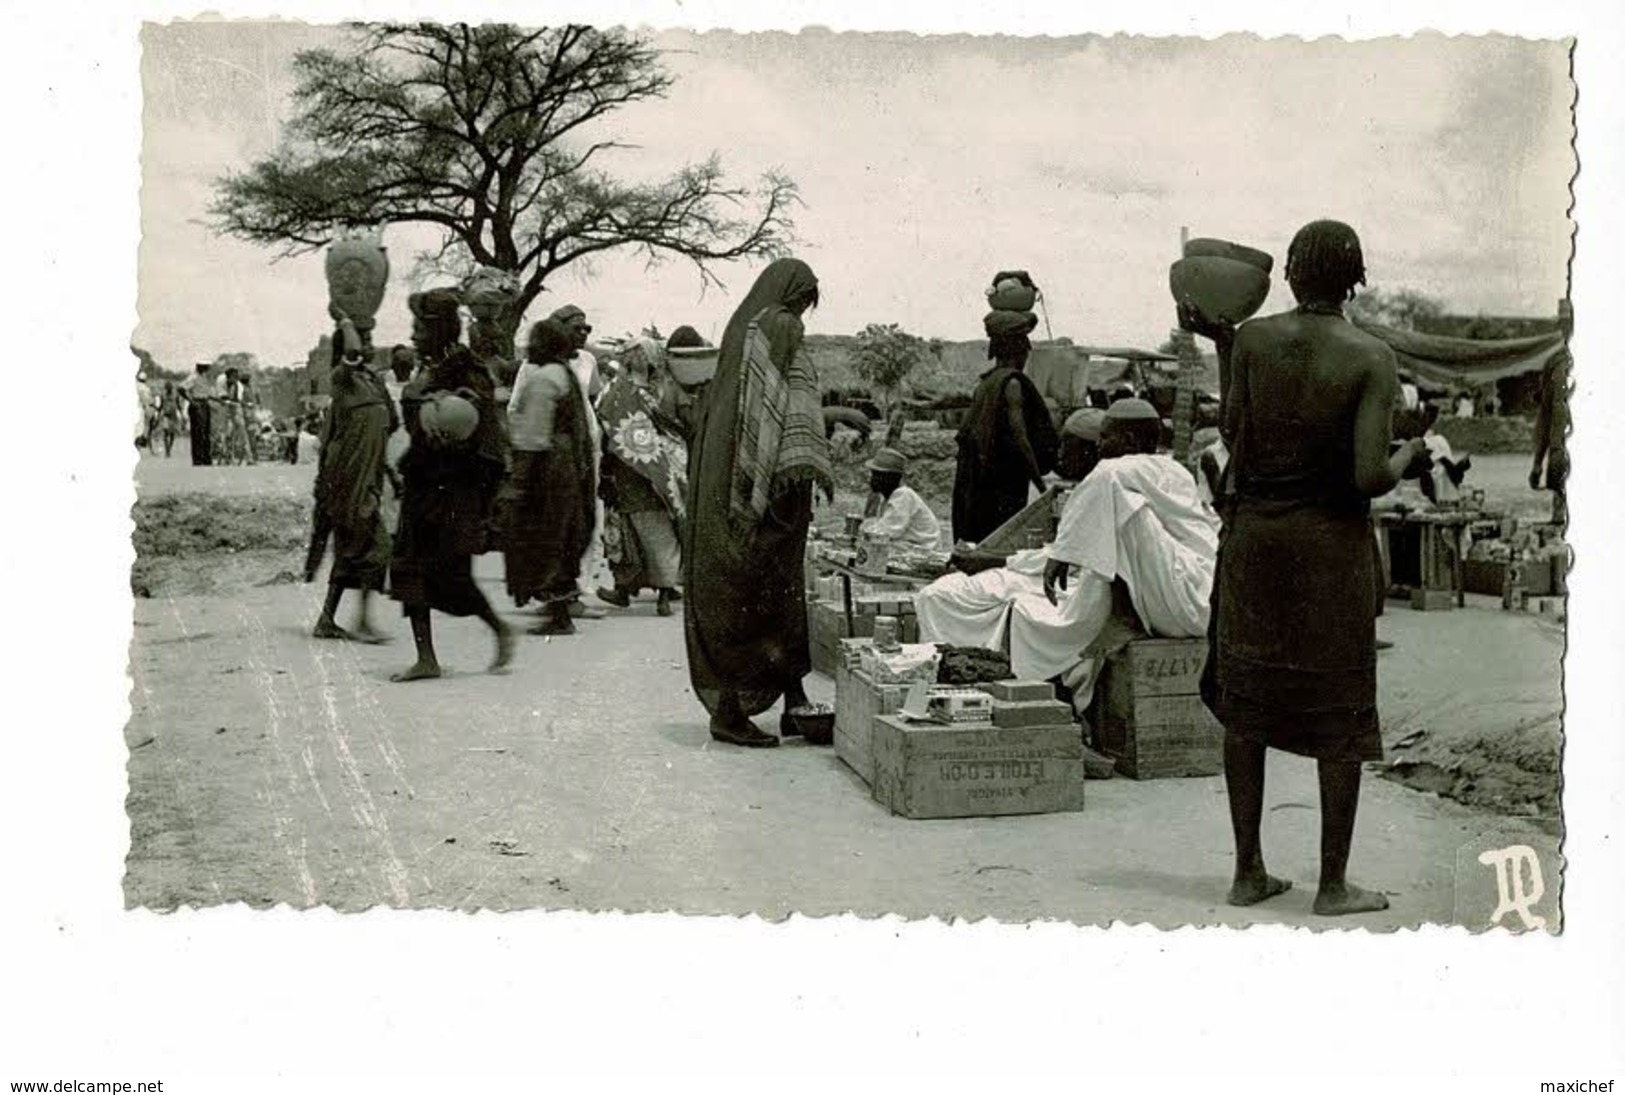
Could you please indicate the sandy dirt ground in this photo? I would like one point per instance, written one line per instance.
(267, 768)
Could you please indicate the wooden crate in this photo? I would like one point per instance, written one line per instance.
(826, 627)
(858, 702)
(924, 770)
(1148, 715)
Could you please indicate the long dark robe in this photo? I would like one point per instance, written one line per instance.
(201, 432)
(550, 507)
(1292, 639)
(991, 477)
(350, 478)
(745, 620)
(448, 494)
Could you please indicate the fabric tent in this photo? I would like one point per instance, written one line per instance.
(1066, 374)
(1466, 361)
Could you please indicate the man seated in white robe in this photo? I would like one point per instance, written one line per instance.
(1137, 516)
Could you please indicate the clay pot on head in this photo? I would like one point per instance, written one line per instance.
(691, 365)
(1010, 295)
(357, 270)
(1224, 281)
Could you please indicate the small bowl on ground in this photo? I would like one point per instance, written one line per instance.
(816, 722)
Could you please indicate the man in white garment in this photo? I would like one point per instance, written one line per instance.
(585, 367)
(1137, 516)
(896, 512)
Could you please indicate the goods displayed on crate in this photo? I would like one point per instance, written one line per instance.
(958, 705)
(909, 663)
(1522, 562)
(1148, 716)
(971, 665)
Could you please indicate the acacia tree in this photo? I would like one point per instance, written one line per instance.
(491, 133)
(885, 356)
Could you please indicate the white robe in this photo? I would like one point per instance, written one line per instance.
(1138, 518)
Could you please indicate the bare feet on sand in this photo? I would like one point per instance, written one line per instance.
(420, 671)
(1343, 899)
(1255, 888)
(504, 651)
(327, 629)
(365, 634)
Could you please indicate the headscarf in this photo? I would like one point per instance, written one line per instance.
(643, 354)
(1085, 423)
(565, 314)
(782, 281)
(779, 431)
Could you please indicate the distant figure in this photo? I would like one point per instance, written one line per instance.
(644, 481)
(199, 411)
(584, 365)
(1464, 405)
(899, 515)
(1308, 405)
(1552, 425)
(757, 455)
(1008, 442)
(350, 478)
(548, 510)
(448, 488)
(146, 412)
(169, 416)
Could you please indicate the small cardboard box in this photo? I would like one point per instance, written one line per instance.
(1149, 717)
(1014, 691)
(923, 770)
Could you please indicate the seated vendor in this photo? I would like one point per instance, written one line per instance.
(896, 513)
(1080, 444)
(1136, 517)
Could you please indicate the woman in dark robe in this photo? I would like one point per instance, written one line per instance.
(757, 454)
(550, 496)
(645, 478)
(1008, 441)
(1308, 406)
(350, 484)
(448, 488)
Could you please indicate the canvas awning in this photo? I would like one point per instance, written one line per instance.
(1466, 361)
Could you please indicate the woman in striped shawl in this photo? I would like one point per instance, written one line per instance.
(757, 454)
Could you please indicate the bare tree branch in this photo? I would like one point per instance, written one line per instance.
(474, 130)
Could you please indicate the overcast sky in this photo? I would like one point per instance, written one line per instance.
(928, 163)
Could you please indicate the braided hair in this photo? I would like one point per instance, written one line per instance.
(1324, 262)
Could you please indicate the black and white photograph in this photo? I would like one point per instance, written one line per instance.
(750, 473)
(724, 536)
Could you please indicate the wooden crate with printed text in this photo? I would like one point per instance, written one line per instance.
(1149, 717)
(928, 770)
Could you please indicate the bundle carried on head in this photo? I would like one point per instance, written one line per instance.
(1007, 333)
(1012, 291)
